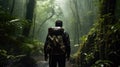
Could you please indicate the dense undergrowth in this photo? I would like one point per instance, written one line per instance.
(16, 50)
(100, 48)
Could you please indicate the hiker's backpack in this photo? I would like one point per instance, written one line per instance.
(56, 44)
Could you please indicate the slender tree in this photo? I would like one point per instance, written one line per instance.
(75, 12)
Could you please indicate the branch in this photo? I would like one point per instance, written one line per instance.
(53, 12)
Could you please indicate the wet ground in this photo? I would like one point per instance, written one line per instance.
(42, 63)
(45, 64)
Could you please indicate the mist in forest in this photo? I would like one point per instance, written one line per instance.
(78, 17)
(93, 27)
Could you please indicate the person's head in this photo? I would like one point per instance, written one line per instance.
(58, 23)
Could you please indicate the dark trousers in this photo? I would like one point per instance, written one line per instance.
(57, 59)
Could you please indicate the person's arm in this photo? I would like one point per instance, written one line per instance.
(45, 49)
(68, 48)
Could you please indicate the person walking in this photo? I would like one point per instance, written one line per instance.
(57, 45)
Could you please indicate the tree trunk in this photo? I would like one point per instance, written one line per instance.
(77, 24)
(12, 8)
(29, 16)
(30, 10)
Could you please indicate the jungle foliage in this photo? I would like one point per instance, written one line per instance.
(22, 29)
(100, 48)
(15, 47)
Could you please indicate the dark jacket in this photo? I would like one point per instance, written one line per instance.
(66, 41)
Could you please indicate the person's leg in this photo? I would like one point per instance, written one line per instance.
(52, 61)
(61, 61)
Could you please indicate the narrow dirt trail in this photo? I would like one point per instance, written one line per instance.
(42, 63)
